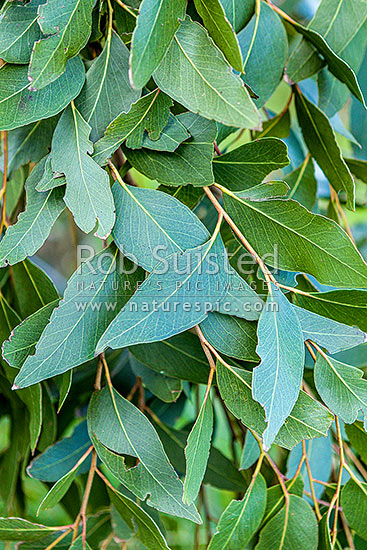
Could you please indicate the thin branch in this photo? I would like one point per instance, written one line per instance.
(268, 276)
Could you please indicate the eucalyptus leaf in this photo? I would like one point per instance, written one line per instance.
(194, 290)
(241, 519)
(36, 105)
(293, 525)
(215, 21)
(110, 414)
(137, 519)
(71, 336)
(88, 195)
(248, 165)
(188, 77)
(320, 139)
(107, 91)
(264, 49)
(190, 163)
(33, 227)
(342, 388)
(308, 418)
(197, 451)
(156, 26)
(148, 113)
(327, 333)
(68, 32)
(235, 337)
(327, 251)
(19, 29)
(162, 225)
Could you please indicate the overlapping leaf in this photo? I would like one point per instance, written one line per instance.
(70, 338)
(204, 84)
(305, 242)
(248, 165)
(107, 91)
(190, 163)
(88, 194)
(36, 105)
(34, 225)
(68, 30)
(277, 380)
(151, 225)
(308, 418)
(110, 415)
(149, 113)
(19, 29)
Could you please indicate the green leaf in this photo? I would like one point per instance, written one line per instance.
(36, 105)
(215, 21)
(264, 47)
(110, 415)
(161, 225)
(60, 458)
(30, 143)
(331, 31)
(358, 438)
(240, 299)
(172, 135)
(275, 497)
(18, 31)
(156, 25)
(88, 194)
(147, 531)
(49, 179)
(33, 226)
(220, 472)
(305, 242)
(345, 306)
(303, 184)
(320, 139)
(241, 519)
(249, 164)
(232, 336)
(354, 503)
(180, 356)
(295, 526)
(205, 84)
(327, 333)
(167, 389)
(58, 491)
(149, 113)
(197, 451)
(324, 534)
(70, 338)
(308, 418)
(250, 452)
(107, 91)
(21, 529)
(265, 190)
(33, 287)
(175, 280)
(278, 126)
(278, 378)
(69, 28)
(337, 66)
(190, 163)
(239, 12)
(358, 168)
(342, 388)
